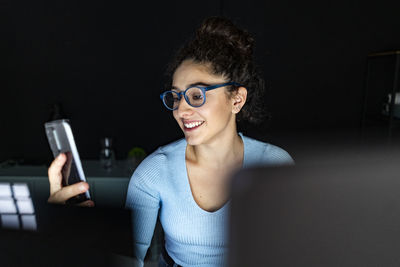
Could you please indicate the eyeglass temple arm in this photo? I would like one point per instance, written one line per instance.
(221, 85)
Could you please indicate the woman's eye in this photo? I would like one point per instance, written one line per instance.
(197, 97)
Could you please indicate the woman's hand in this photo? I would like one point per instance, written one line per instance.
(60, 194)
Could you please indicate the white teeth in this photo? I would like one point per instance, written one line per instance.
(193, 124)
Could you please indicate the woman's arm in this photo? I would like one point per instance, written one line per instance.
(144, 201)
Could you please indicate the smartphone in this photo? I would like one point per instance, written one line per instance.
(61, 140)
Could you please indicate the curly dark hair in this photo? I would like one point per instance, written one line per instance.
(229, 51)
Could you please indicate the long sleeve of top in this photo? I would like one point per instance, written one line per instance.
(160, 187)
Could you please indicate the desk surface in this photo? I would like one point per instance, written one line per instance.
(92, 168)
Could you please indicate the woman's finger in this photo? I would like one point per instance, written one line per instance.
(67, 192)
(55, 175)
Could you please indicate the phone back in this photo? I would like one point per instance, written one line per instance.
(61, 140)
(56, 132)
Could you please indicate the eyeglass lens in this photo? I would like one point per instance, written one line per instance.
(194, 96)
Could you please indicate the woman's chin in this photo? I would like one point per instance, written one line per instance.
(192, 140)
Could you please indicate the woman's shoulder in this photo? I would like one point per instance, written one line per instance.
(266, 153)
(157, 162)
(172, 147)
(166, 152)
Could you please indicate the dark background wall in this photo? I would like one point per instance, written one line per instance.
(104, 62)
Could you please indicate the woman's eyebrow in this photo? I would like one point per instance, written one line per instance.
(191, 85)
(199, 83)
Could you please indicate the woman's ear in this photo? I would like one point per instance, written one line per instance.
(239, 99)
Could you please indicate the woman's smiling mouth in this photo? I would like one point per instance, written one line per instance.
(192, 125)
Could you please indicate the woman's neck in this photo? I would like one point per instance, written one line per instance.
(227, 150)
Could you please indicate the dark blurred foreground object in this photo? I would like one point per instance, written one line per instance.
(70, 236)
(338, 211)
(381, 106)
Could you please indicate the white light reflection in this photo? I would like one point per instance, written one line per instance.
(25, 206)
(28, 222)
(20, 190)
(5, 190)
(10, 221)
(7, 206)
(16, 207)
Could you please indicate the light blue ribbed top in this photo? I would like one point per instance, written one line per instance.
(160, 185)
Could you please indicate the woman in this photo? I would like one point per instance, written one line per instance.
(214, 83)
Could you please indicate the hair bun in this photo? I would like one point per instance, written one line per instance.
(222, 28)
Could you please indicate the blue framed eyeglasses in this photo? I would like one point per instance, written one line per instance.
(195, 96)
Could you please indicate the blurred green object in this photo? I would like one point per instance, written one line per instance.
(137, 152)
(135, 156)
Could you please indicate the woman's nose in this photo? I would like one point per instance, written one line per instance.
(184, 108)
